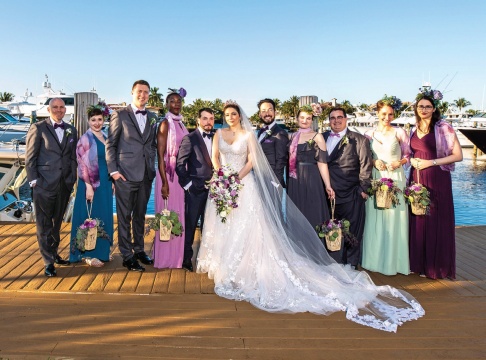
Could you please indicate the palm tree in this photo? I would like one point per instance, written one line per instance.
(443, 107)
(461, 103)
(278, 104)
(347, 106)
(294, 103)
(155, 98)
(6, 96)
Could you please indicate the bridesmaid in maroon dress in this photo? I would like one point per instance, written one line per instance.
(435, 149)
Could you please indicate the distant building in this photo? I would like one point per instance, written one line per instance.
(307, 100)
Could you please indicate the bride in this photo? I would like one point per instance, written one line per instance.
(268, 254)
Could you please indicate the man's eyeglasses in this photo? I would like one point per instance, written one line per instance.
(427, 107)
(336, 118)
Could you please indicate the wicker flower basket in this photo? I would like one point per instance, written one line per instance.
(333, 243)
(418, 208)
(383, 199)
(165, 230)
(90, 242)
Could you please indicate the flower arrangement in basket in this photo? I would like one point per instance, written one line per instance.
(89, 231)
(224, 187)
(333, 232)
(385, 192)
(418, 197)
(166, 222)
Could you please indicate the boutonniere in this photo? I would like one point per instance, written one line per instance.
(310, 142)
(69, 131)
(153, 122)
(345, 140)
(268, 132)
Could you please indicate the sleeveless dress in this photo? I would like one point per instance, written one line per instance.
(169, 254)
(308, 191)
(248, 261)
(385, 239)
(102, 209)
(432, 237)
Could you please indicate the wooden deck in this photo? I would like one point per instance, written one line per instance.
(105, 313)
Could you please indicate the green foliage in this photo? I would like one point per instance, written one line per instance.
(155, 98)
(461, 103)
(165, 217)
(6, 96)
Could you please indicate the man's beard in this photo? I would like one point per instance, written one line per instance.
(267, 121)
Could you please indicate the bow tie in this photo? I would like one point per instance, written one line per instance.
(334, 134)
(262, 130)
(61, 125)
(208, 135)
(143, 112)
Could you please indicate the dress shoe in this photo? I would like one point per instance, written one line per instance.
(144, 258)
(187, 265)
(50, 271)
(133, 265)
(59, 261)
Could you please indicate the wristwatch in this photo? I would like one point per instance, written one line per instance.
(434, 162)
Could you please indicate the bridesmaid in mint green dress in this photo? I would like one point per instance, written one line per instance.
(385, 239)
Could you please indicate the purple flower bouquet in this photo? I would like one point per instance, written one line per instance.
(418, 197)
(88, 232)
(385, 192)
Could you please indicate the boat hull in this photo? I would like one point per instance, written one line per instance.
(477, 136)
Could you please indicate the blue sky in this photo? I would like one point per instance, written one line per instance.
(247, 50)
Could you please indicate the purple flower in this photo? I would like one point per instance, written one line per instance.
(437, 95)
(182, 92)
(233, 193)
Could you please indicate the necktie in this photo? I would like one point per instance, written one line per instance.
(61, 125)
(262, 130)
(208, 135)
(334, 134)
(143, 112)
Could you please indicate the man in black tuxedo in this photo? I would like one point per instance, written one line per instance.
(130, 156)
(194, 168)
(273, 139)
(50, 161)
(350, 164)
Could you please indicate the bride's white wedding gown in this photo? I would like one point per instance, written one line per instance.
(248, 261)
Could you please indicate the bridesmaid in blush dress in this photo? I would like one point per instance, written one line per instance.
(435, 150)
(169, 254)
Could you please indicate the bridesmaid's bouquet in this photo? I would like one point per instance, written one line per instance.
(166, 222)
(418, 197)
(224, 187)
(332, 231)
(385, 192)
(87, 233)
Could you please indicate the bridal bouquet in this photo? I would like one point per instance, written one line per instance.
(224, 187)
(418, 197)
(385, 192)
(88, 232)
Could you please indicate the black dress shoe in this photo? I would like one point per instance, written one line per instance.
(59, 261)
(133, 265)
(187, 265)
(144, 258)
(50, 271)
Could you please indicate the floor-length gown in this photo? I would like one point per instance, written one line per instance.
(308, 190)
(250, 261)
(169, 254)
(102, 209)
(432, 236)
(385, 239)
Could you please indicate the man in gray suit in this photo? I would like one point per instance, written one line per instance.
(350, 164)
(50, 161)
(130, 155)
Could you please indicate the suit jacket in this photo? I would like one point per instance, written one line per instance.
(128, 151)
(350, 165)
(275, 149)
(49, 161)
(194, 162)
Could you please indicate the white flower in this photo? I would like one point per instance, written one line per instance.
(223, 214)
(69, 131)
(268, 132)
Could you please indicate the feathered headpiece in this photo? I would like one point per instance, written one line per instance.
(181, 92)
(105, 110)
(392, 101)
(435, 95)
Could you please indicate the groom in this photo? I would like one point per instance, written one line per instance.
(273, 139)
(194, 168)
(130, 155)
(350, 164)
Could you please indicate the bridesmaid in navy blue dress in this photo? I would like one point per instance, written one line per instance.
(93, 186)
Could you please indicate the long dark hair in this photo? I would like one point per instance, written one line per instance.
(436, 117)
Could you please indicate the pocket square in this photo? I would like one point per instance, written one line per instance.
(71, 140)
(268, 141)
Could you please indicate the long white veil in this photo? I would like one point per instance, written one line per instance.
(381, 307)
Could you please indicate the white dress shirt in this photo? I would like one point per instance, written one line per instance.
(263, 134)
(59, 131)
(332, 141)
(141, 119)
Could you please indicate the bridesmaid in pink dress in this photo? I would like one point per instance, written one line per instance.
(169, 254)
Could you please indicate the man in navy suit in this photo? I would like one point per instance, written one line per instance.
(273, 139)
(194, 168)
(350, 164)
(50, 161)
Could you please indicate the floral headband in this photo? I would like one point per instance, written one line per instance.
(181, 92)
(435, 95)
(314, 109)
(392, 101)
(105, 110)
